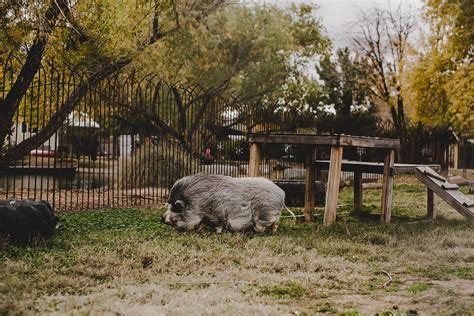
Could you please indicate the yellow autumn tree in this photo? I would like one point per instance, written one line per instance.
(440, 81)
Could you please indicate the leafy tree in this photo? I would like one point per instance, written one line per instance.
(440, 81)
(84, 36)
(383, 42)
(251, 51)
(343, 88)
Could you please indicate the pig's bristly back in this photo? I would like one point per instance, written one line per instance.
(256, 190)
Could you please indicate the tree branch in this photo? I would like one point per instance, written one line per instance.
(9, 106)
(23, 148)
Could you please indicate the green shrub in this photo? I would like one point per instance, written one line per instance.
(156, 164)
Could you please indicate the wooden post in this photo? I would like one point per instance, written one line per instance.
(357, 191)
(387, 188)
(309, 187)
(430, 204)
(334, 178)
(456, 155)
(254, 160)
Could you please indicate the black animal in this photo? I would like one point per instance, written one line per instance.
(22, 221)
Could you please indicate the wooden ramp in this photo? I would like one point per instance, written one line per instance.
(447, 191)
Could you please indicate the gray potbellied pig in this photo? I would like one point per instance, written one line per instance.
(237, 204)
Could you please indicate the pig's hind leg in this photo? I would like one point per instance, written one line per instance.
(259, 228)
(201, 227)
(274, 227)
(239, 216)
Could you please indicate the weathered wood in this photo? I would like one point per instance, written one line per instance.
(254, 160)
(328, 140)
(357, 191)
(373, 167)
(432, 174)
(450, 186)
(334, 178)
(369, 142)
(453, 197)
(456, 155)
(294, 139)
(309, 187)
(387, 187)
(469, 203)
(430, 204)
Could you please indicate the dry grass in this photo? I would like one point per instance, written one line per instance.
(122, 261)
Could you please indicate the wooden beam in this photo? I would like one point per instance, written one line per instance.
(357, 191)
(369, 142)
(309, 187)
(373, 167)
(387, 187)
(294, 139)
(254, 160)
(454, 198)
(456, 156)
(334, 178)
(328, 140)
(430, 204)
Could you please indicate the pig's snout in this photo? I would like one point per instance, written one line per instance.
(166, 218)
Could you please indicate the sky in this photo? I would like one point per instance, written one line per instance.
(338, 15)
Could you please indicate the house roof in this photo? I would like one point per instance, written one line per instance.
(80, 119)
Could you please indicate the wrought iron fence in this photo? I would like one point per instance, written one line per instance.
(118, 142)
(123, 140)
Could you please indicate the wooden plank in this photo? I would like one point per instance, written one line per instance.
(387, 187)
(469, 203)
(456, 155)
(357, 191)
(328, 140)
(399, 169)
(309, 187)
(254, 160)
(293, 139)
(353, 166)
(372, 167)
(453, 197)
(334, 178)
(369, 142)
(432, 174)
(430, 204)
(450, 186)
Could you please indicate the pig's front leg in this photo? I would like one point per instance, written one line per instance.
(259, 228)
(274, 227)
(190, 222)
(201, 227)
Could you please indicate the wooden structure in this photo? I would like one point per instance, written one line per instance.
(447, 191)
(337, 144)
(358, 168)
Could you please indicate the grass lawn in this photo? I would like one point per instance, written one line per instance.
(123, 261)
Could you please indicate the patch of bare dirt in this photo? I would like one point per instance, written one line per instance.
(447, 296)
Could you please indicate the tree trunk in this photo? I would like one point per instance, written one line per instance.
(9, 106)
(22, 149)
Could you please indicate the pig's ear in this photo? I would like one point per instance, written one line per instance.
(178, 206)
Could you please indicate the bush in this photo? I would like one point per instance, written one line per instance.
(156, 164)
